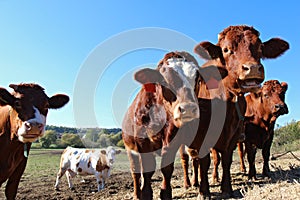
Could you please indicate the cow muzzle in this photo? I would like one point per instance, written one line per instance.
(186, 112)
(251, 77)
(281, 109)
(30, 131)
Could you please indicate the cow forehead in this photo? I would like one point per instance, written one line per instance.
(186, 70)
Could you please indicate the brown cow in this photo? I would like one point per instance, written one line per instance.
(240, 50)
(162, 113)
(22, 121)
(263, 108)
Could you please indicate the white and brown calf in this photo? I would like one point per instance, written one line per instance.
(86, 162)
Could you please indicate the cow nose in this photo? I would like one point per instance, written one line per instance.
(282, 108)
(29, 126)
(253, 68)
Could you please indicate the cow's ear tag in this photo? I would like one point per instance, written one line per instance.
(150, 87)
(212, 83)
(25, 150)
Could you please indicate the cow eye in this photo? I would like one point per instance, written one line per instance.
(227, 51)
(266, 95)
(18, 104)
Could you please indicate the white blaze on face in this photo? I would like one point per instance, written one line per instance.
(186, 70)
(33, 128)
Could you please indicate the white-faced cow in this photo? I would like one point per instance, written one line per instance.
(86, 162)
(240, 50)
(22, 121)
(164, 113)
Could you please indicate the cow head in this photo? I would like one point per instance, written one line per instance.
(173, 84)
(28, 109)
(272, 97)
(110, 154)
(240, 49)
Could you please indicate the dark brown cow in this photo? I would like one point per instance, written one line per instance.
(162, 113)
(22, 121)
(240, 50)
(263, 108)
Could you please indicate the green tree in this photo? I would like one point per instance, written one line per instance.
(73, 140)
(48, 139)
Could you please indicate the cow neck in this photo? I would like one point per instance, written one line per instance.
(14, 136)
(235, 99)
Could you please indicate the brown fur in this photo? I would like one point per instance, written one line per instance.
(240, 50)
(14, 109)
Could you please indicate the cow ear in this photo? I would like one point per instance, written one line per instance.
(208, 51)
(148, 75)
(274, 48)
(118, 151)
(6, 98)
(58, 101)
(284, 86)
(103, 152)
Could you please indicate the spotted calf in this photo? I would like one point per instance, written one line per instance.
(86, 162)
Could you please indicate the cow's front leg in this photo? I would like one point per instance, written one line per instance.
(226, 186)
(166, 189)
(185, 166)
(135, 168)
(100, 181)
(148, 169)
(60, 173)
(216, 161)
(251, 151)
(14, 180)
(266, 156)
(204, 184)
(70, 175)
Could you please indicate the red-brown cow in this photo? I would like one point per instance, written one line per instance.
(160, 117)
(22, 120)
(240, 50)
(263, 108)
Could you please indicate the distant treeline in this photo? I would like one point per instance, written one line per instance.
(61, 137)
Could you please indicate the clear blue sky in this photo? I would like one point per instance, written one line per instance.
(52, 43)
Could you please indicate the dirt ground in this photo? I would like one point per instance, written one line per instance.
(284, 184)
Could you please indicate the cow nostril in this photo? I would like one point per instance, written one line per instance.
(246, 68)
(181, 110)
(27, 126)
(145, 119)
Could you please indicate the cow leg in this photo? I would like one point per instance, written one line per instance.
(195, 167)
(185, 166)
(204, 185)
(241, 152)
(266, 156)
(226, 187)
(135, 173)
(70, 175)
(100, 181)
(216, 161)
(167, 168)
(148, 169)
(60, 173)
(251, 151)
(14, 180)
(166, 189)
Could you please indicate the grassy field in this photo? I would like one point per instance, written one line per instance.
(39, 178)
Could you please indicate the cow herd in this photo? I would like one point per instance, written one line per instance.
(202, 111)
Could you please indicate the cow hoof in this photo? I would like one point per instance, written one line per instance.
(165, 194)
(226, 195)
(203, 197)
